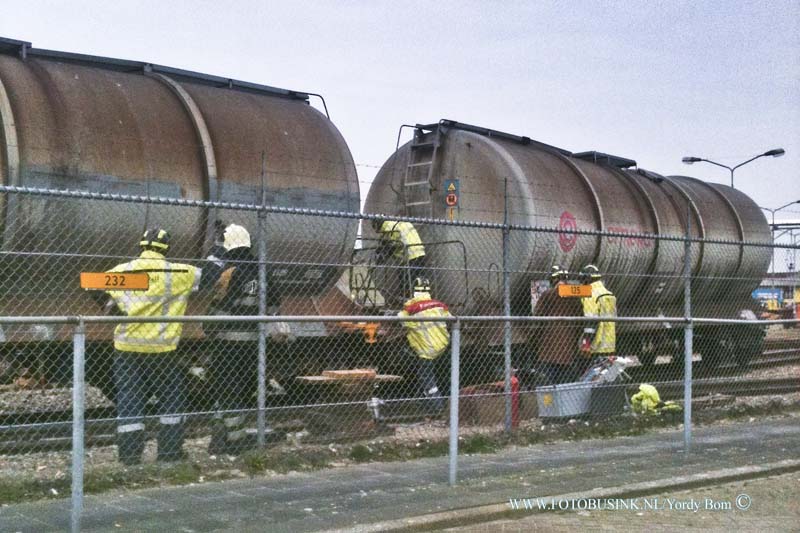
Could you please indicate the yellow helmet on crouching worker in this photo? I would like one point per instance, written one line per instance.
(155, 239)
(590, 273)
(422, 286)
(235, 236)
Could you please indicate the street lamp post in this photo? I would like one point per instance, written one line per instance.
(795, 276)
(776, 152)
(772, 227)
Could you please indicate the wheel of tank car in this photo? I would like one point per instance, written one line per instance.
(749, 343)
(749, 338)
(675, 349)
(713, 350)
(647, 353)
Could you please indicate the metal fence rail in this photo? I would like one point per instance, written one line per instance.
(320, 352)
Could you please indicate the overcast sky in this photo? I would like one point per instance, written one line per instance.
(652, 81)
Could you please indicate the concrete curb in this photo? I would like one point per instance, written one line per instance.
(486, 513)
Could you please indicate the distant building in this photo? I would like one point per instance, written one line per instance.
(779, 289)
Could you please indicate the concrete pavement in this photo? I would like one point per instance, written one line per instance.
(355, 497)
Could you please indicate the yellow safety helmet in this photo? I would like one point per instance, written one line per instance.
(155, 238)
(422, 285)
(590, 273)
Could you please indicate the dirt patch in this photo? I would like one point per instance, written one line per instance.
(46, 475)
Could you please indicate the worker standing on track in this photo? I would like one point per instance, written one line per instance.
(144, 353)
(426, 340)
(402, 240)
(234, 359)
(556, 342)
(599, 338)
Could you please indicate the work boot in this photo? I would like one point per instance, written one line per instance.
(218, 443)
(170, 441)
(434, 403)
(130, 447)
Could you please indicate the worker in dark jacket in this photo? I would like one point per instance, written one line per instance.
(235, 352)
(557, 342)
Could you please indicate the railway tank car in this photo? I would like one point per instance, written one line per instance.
(85, 123)
(494, 174)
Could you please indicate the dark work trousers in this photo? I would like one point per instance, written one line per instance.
(426, 377)
(234, 371)
(138, 376)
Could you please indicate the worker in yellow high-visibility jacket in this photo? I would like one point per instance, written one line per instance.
(144, 358)
(599, 337)
(426, 340)
(403, 241)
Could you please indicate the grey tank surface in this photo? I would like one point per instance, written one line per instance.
(70, 121)
(553, 188)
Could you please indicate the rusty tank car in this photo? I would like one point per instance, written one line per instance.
(496, 175)
(85, 123)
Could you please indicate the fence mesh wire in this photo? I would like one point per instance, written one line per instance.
(328, 381)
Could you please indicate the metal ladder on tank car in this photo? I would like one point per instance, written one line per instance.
(420, 169)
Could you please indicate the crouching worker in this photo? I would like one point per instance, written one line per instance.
(426, 340)
(144, 353)
(235, 347)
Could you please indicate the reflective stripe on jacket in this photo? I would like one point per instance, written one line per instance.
(601, 304)
(428, 339)
(405, 236)
(167, 295)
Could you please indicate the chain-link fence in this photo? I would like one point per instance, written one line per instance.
(247, 326)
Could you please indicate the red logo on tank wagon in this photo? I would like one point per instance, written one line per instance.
(567, 222)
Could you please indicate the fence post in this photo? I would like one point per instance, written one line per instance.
(688, 333)
(262, 311)
(455, 387)
(78, 395)
(506, 312)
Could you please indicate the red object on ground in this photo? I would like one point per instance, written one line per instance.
(514, 402)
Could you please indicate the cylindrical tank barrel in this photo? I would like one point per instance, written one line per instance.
(111, 126)
(552, 188)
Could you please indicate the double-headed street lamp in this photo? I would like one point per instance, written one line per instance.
(777, 152)
(773, 211)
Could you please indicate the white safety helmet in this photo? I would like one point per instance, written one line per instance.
(235, 236)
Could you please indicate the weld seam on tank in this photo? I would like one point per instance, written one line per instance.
(700, 225)
(203, 135)
(523, 183)
(736, 216)
(11, 153)
(597, 207)
(630, 178)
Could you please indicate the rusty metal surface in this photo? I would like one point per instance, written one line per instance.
(548, 188)
(88, 125)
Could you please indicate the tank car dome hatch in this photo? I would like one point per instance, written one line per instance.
(79, 122)
(550, 187)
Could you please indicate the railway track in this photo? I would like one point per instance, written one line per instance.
(52, 430)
